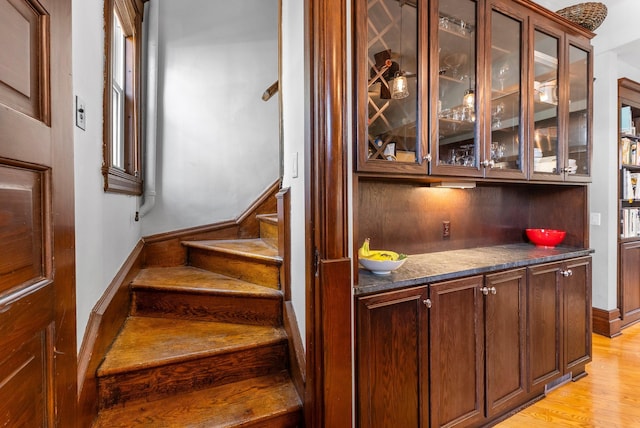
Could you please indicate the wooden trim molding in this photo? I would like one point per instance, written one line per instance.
(284, 240)
(607, 323)
(167, 247)
(105, 322)
(328, 397)
(297, 356)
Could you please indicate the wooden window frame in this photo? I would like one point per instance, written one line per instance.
(127, 180)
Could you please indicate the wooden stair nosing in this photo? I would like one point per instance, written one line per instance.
(177, 377)
(200, 339)
(267, 401)
(271, 218)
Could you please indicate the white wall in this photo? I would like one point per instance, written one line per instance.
(615, 55)
(218, 142)
(105, 228)
(294, 107)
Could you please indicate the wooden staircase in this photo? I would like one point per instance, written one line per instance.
(204, 343)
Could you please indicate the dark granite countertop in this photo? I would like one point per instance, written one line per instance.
(426, 268)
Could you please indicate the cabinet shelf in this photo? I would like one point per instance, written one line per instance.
(631, 136)
(634, 168)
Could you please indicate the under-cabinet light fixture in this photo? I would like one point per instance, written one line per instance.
(454, 184)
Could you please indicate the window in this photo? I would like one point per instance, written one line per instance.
(122, 135)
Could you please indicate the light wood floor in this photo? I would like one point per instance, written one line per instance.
(609, 397)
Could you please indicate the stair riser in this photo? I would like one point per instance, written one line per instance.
(289, 420)
(155, 383)
(241, 309)
(255, 271)
(269, 233)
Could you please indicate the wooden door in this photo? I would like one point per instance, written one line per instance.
(577, 314)
(545, 325)
(505, 340)
(393, 379)
(629, 282)
(456, 352)
(37, 301)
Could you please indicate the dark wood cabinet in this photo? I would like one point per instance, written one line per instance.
(496, 89)
(457, 352)
(392, 366)
(559, 321)
(576, 284)
(629, 202)
(478, 359)
(505, 340)
(467, 351)
(629, 255)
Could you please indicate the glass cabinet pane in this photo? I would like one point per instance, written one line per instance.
(457, 103)
(545, 104)
(578, 159)
(505, 150)
(392, 86)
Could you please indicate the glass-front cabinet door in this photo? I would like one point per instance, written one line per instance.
(390, 125)
(546, 137)
(578, 160)
(454, 133)
(504, 114)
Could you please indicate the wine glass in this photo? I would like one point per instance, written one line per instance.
(454, 61)
(503, 73)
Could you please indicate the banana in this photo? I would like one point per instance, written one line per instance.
(364, 252)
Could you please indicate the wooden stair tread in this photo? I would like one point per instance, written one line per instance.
(255, 248)
(268, 218)
(196, 280)
(147, 342)
(251, 401)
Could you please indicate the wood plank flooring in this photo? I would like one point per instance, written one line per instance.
(609, 397)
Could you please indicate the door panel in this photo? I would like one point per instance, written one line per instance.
(505, 338)
(577, 304)
(392, 360)
(21, 227)
(37, 243)
(456, 347)
(544, 300)
(23, 56)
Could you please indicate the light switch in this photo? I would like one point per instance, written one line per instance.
(81, 114)
(595, 219)
(294, 165)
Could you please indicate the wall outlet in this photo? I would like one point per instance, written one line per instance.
(594, 219)
(446, 229)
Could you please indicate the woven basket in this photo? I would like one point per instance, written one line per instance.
(588, 15)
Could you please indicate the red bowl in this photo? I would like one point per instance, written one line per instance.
(548, 238)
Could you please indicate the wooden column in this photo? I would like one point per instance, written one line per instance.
(329, 301)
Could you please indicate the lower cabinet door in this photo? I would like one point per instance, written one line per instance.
(392, 365)
(630, 282)
(457, 349)
(505, 340)
(545, 324)
(576, 285)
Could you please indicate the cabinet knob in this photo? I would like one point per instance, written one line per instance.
(566, 273)
(487, 290)
(427, 303)
(427, 157)
(488, 163)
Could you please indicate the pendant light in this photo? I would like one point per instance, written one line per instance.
(469, 98)
(399, 87)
